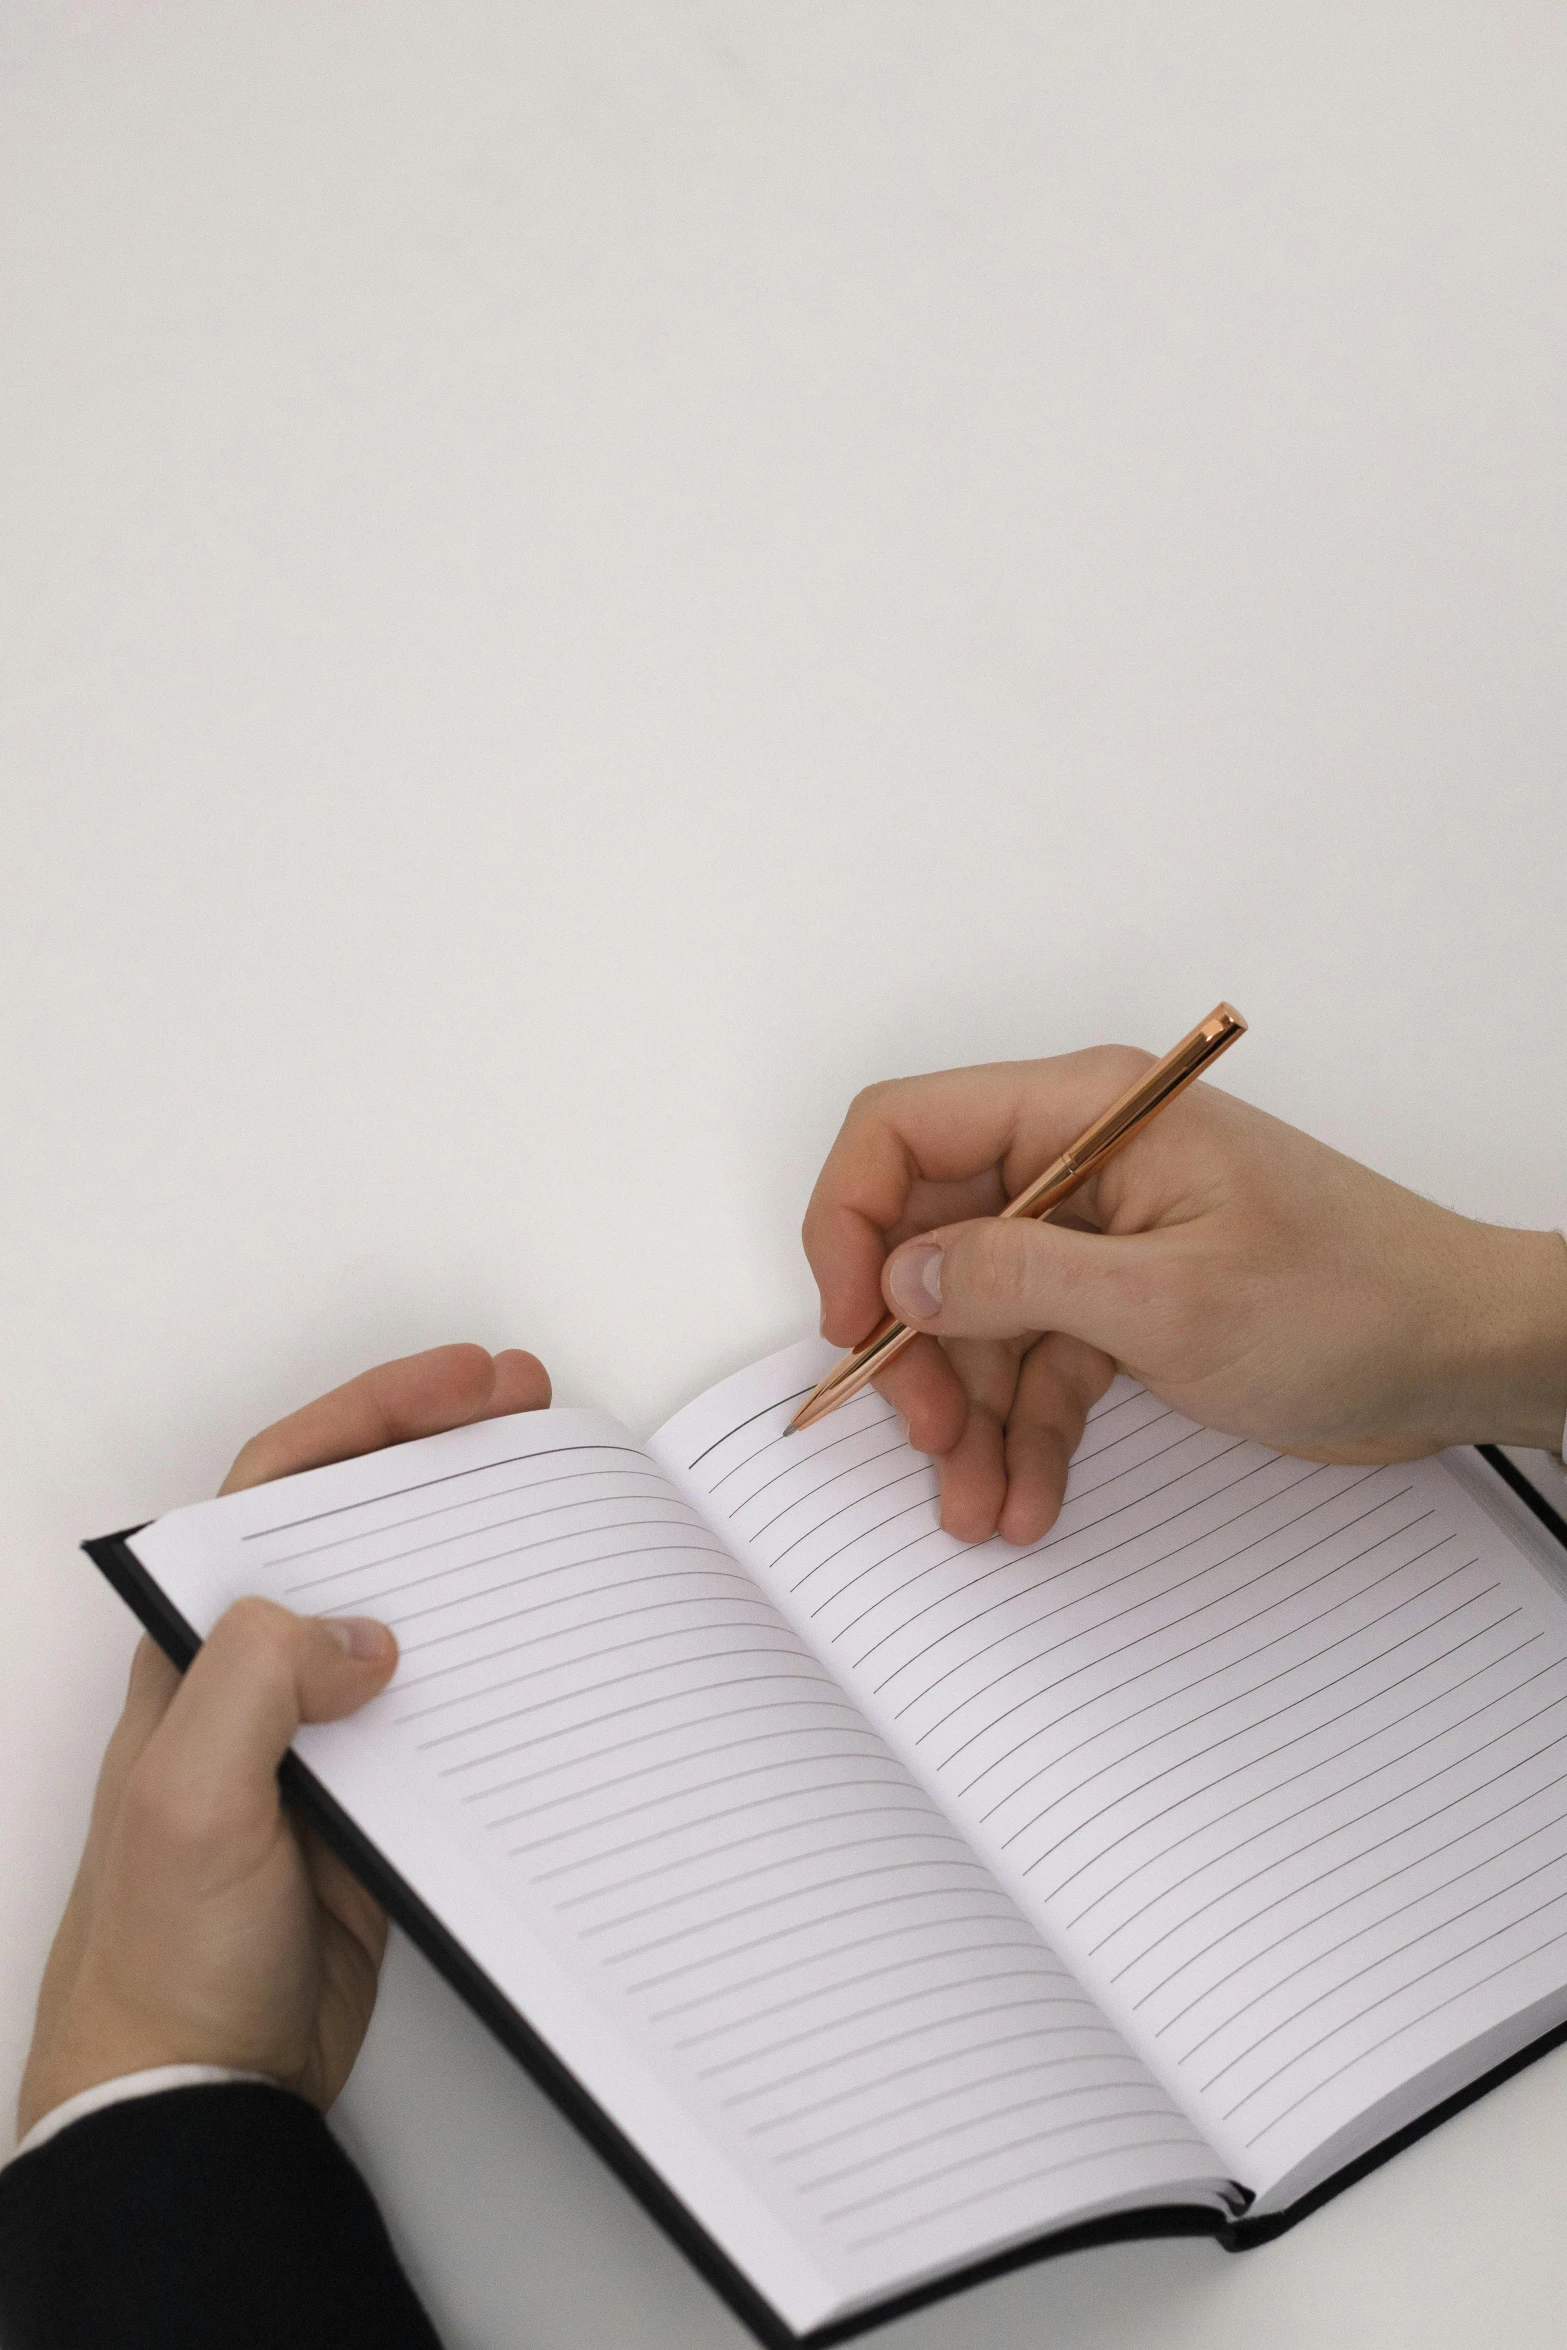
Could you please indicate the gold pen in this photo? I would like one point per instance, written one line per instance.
(1110, 1131)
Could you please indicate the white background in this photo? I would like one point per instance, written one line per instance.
(578, 581)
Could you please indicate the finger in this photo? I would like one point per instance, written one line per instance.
(974, 1477)
(343, 1897)
(352, 1946)
(209, 1772)
(1060, 1381)
(153, 1681)
(148, 1696)
(922, 1384)
(1012, 1117)
(973, 1473)
(999, 1277)
(864, 1187)
(419, 1395)
(928, 1204)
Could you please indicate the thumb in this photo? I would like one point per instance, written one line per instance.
(1004, 1277)
(260, 1673)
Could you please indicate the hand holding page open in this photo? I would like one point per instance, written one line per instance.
(887, 1908)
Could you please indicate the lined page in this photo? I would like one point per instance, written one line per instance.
(1274, 1753)
(672, 1810)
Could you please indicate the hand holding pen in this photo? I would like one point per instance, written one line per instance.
(1251, 1277)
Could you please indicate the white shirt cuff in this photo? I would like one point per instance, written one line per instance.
(129, 2085)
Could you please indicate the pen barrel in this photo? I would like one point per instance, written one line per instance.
(889, 1338)
(1115, 1127)
(1112, 1129)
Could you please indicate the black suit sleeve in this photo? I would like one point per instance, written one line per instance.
(223, 2218)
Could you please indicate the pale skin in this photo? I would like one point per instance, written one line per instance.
(1246, 1274)
(204, 1927)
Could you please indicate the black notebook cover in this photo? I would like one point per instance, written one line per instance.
(113, 1556)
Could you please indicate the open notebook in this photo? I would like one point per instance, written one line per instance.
(888, 1910)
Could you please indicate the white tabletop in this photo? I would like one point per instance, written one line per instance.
(580, 581)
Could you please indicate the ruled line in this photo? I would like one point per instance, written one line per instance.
(1311, 1770)
(1298, 1740)
(845, 2021)
(1399, 1836)
(958, 1551)
(661, 1668)
(538, 1574)
(642, 1770)
(834, 1849)
(748, 1909)
(445, 1510)
(726, 1682)
(809, 1925)
(1372, 1925)
(427, 1484)
(628, 1811)
(1358, 1974)
(922, 1470)
(514, 1550)
(1409, 2024)
(1400, 1990)
(1058, 1574)
(585, 1630)
(1230, 1737)
(1187, 2142)
(755, 1533)
(990, 2153)
(929, 1955)
(515, 1615)
(729, 1811)
(849, 1436)
(876, 2121)
(1131, 1575)
(797, 1397)
(1200, 1754)
(899, 1933)
(1158, 1633)
(626, 1583)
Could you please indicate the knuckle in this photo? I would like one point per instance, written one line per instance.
(243, 1470)
(149, 1675)
(260, 1458)
(263, 1631)
(179, 1812)
(1082, 1374)
(1000, 1266)
(1184, 1296)
(870, 1098)
(1123, 1064)
(257, 1643)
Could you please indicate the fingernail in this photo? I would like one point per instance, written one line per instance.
(360, 1637)
(914, 1278)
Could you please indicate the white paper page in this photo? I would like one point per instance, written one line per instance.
(1274, 1753)
(612, 1769)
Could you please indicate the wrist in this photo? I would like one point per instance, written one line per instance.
(124, 2089)
(1510, 1335)
(92, 2043)
(57, 2075)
